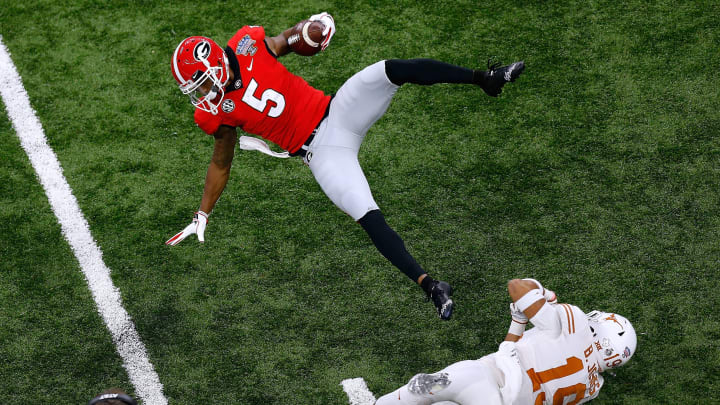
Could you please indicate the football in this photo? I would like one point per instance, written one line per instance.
(306, 37)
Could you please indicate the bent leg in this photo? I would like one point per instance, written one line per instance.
(340, 176)
(362, 100)
(428, 72)
(338, 172)
(471, 383)
(333, 159)
(390, 245)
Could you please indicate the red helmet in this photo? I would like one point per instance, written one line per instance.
(196, 60)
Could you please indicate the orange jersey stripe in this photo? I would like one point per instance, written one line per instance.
(567, 315)
(570, 318)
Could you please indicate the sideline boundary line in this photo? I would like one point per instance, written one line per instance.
(77, 232)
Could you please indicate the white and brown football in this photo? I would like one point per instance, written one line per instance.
(306, 37)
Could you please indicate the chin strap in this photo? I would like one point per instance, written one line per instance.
(252, 143)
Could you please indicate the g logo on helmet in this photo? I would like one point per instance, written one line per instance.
(201, 51)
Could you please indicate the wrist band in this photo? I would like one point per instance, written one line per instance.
(528, 299)
(517, 328)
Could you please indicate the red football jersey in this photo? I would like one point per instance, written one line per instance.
(264, 98)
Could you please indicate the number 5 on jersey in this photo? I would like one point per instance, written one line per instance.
(260, 104)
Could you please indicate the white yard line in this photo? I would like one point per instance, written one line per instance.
(358, 392)
(77, 232)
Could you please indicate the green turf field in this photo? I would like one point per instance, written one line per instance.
(597, 172)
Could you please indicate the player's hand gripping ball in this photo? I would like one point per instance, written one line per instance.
(307, 37)
(313, 35)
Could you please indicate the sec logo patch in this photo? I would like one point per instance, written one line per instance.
(228, 106)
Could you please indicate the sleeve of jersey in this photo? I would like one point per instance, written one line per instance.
(548, 319)
(256, 32)
(207, 122)
(248, 40)
(573, 319)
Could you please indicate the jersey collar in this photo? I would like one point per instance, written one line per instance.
(235, 66)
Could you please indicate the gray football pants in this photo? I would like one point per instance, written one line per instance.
(333, 153)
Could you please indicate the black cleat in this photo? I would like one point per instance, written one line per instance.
(496, 76)
(440, 293)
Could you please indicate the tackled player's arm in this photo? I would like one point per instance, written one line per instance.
(517, 289)
(279, 44)
(219, 170)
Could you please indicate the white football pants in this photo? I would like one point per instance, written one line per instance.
(472, 382)
(333, 153)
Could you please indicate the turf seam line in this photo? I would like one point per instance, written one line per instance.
(77, 232)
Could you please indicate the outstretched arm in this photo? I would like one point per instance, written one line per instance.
(215, 181)
(518, 289)
(219, 169)
(279, 44)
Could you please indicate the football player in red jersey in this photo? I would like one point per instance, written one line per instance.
(245, 86)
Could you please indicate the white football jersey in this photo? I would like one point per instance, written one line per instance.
(558, 356)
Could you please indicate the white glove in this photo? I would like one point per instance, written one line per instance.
(517, 315)
(197, 226)
(549, 295)
(329, 30)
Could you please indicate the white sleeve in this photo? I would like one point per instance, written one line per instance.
(547, 319)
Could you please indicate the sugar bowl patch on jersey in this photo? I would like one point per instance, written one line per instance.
(246, 46)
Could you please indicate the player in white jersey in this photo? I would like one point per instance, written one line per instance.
(558, 361)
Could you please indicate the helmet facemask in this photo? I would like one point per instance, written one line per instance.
(197, 77)
(207, 100)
